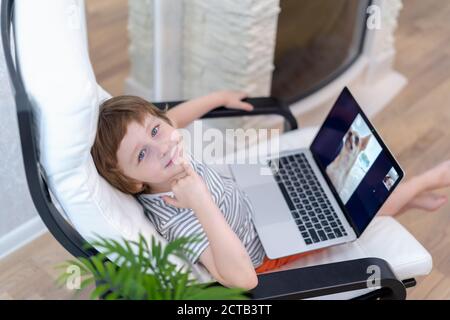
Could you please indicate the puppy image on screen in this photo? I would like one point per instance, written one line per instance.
(339, 170)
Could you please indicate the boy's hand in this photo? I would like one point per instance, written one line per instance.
(232, 100)
(189, 189)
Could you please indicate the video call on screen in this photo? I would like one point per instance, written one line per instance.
(354, 161)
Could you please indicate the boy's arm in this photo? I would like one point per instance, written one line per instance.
(186, 112)
(226, 257)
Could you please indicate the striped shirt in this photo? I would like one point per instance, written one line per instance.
(173, 223)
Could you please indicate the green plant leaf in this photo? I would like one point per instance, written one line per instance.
(112, 296)
(87, 282)
(99, 290)
(143, 270)
(218, 293)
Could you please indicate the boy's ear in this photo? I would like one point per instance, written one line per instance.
(140, 187)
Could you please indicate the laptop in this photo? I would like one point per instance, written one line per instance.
(323, 195)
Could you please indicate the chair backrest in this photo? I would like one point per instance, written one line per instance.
(55, 222)
(57, 101)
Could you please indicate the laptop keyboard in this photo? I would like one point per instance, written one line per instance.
(312, 211)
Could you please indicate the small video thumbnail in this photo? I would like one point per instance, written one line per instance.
(390, 178)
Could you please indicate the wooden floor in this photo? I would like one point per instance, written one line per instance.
(416, 125)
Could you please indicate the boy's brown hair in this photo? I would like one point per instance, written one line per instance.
(114, 116)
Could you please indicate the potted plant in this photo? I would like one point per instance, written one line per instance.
(140, 272)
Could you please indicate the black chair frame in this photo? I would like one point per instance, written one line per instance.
(299, 283)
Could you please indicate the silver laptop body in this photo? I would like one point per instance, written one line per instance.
(276, 224)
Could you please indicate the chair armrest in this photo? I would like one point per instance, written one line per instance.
(262, 105)
(316, 281)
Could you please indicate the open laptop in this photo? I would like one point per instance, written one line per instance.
(324, 195)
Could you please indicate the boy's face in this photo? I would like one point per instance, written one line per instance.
(150, 153)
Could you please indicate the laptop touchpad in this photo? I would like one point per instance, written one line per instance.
(269, 204)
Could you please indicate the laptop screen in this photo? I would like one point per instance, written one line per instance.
(355, 160)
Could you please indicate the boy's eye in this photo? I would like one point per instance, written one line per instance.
(141, 155)
(155, 131)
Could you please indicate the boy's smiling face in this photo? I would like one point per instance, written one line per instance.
(150, 152)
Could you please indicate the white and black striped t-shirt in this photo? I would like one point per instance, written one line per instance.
(173, 223)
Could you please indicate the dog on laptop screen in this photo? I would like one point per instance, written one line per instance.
(339, 169)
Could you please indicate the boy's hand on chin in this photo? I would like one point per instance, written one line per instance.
(188, 187)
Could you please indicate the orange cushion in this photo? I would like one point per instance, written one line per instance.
(269, 264)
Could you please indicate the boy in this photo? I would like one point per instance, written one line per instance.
(139, 151)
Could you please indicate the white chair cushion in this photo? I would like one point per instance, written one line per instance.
(57, 73)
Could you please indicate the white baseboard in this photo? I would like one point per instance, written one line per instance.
(21, 236)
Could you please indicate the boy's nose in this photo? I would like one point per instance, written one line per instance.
(165, 148)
